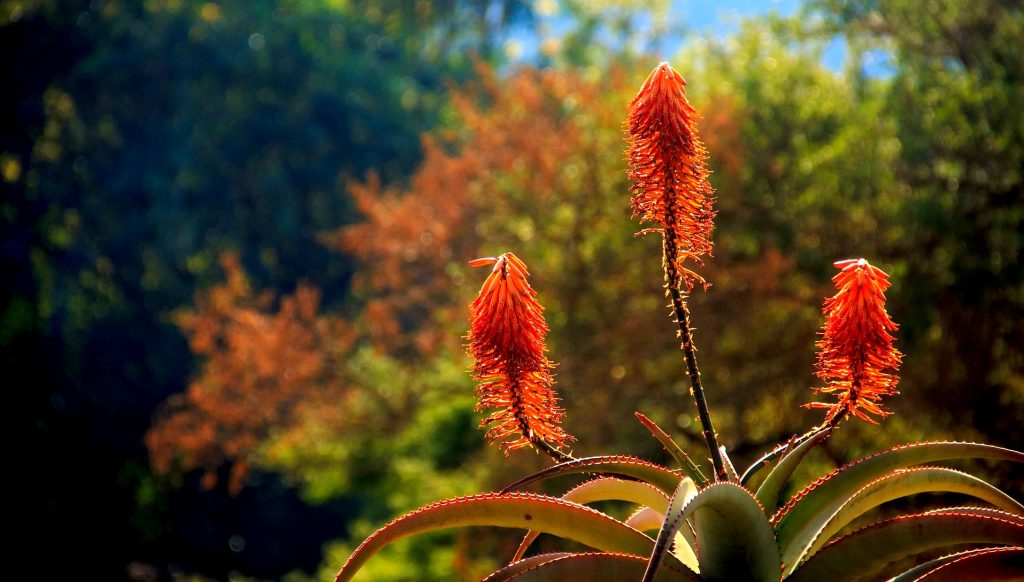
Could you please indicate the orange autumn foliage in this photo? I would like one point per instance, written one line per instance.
(265, 367)
(522, 147)
(532, 158)
(513, 133)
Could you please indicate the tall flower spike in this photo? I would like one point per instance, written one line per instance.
(506, 341)
(667, 167)
(671, 190)
(857, 359)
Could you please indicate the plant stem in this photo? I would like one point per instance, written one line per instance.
(682, 318)
(555, 454)
(524, 428)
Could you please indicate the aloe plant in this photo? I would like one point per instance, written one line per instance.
(686, 526)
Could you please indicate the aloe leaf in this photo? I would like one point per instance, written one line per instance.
(908, 482)
(517, 510)
(758, 466)
(689, 467)
(730, 469)
(975, 510)
(870, 549)
(991, 564)
(734, 539)
(610, 488)
(652, 473)
(522, 565)
(797, 523)
(916, 572)
(674, 518)
(756, 473)
(646, 519)
(605, 489)
(592, 566)
(768, 493)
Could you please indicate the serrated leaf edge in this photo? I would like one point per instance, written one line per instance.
(795, 500)
(532, 535)
(576, 556)
(969, 556)
(811, 549)
(372, 538)
(580, 465)
(888, 522)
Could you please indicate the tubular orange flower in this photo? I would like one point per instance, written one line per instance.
(667, 167)
(857, 359)
(506, 341)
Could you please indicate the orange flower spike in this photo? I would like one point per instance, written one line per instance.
(670, 185)
(857, 359)
(506, 341)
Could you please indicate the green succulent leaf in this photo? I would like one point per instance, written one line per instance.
(916, 572)
(757, 469)
(975, 510)
(870, 549)
(646, 519)
(522, 565)
(516, 510)
(674, 518)
(689, 467)
(593, 566)
(991, 564)
(908, 482)
(633, 467)
(735, 541)
(610, 488)
(798, 523)
(730, 469)
(768, 493)
(605, 489)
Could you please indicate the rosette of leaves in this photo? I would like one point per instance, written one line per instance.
(685, 527)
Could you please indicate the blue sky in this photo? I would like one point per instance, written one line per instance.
(715, 18)
(723, 18)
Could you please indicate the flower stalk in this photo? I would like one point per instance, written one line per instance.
(681, 316)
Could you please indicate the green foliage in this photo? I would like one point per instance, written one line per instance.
(427, 415)
(141, 139)
(951, 101)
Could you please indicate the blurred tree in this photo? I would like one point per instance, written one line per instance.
(953, 97)
(790, 203)
(536, 167)
(283, 389)
(262, 372)
(532, 166)
(140, 140)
